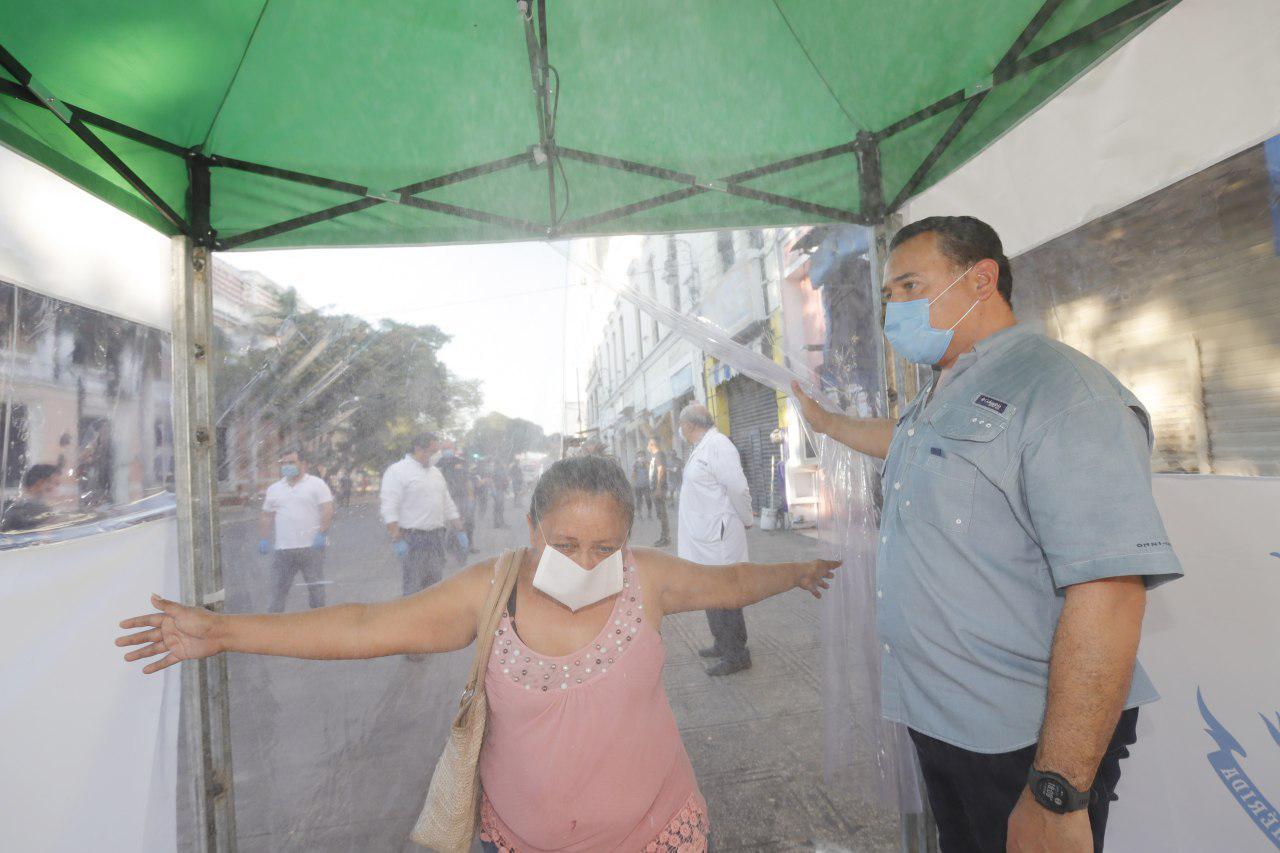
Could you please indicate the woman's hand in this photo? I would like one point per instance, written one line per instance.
(815, 574)
(186, 633)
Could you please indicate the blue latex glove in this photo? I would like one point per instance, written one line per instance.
(463, 542)
(401, 548)
(264, 547)
(320, 541)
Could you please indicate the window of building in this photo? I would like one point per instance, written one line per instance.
(724, 247)
(673, 275)
(653, 294)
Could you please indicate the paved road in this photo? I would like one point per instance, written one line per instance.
(335, 756)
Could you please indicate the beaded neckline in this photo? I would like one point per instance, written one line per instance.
(523, 667)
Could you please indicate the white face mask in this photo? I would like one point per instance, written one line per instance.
(573, 586)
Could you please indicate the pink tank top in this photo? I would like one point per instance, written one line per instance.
(582, 752)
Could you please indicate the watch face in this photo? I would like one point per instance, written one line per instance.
(1053, 792)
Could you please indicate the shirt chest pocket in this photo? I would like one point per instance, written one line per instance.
(944, 470)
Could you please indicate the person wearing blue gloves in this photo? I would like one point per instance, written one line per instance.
(418, 511)
(298, 509)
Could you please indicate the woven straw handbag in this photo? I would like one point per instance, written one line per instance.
(451, 812)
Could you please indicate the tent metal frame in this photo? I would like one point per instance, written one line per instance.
(548, 150)
(205, 685)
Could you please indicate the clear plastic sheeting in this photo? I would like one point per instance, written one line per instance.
(86, 436)
(802, 270)
(336, 755)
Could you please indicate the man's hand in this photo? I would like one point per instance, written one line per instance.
(1035, 829)
(810, 408)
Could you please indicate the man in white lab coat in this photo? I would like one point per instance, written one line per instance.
(715, 512)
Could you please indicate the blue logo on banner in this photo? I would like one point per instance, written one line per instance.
(1232, 774)
(1271, 153)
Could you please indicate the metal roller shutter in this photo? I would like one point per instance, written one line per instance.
(753, 415)
(1179, 295)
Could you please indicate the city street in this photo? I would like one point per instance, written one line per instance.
(335, 756)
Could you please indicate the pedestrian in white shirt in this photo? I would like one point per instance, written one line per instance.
(715, 512)
(417, 510)
(299, 510)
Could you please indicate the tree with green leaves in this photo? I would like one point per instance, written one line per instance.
(352, 390)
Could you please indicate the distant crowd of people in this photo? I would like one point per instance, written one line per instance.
(430, 501)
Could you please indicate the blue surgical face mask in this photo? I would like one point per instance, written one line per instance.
(907, 326)
(289, 471)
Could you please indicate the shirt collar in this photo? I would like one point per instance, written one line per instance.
(990, 343)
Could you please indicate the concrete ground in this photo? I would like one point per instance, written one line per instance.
(335, 756)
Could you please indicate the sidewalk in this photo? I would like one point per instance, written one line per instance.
(755, 737)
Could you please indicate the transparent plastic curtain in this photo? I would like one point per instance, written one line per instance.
(336, 755)
(861, 751)
(86, 436)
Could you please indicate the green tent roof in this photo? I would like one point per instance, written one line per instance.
(326, 122)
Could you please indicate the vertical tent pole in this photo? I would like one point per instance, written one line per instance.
(919, 832)
(204, 684)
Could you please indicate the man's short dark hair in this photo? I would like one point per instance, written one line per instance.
(965, 241)
(301, 454)
(37, 474)
(424, 440)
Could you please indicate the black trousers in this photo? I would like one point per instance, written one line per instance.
(729, 627)
(660, 507)
(287, 563)
(424, 564)
(972, 793)
(644, 500)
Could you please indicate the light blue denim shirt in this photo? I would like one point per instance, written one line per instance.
(1026, 472)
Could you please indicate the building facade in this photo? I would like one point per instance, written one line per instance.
(641, 372)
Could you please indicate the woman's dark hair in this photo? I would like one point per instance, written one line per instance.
(594, 475)
(964, 241)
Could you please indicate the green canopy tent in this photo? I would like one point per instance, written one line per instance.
(241, 124)
(407, 122)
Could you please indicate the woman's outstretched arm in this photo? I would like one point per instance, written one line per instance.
(683, 585)
(439, 619)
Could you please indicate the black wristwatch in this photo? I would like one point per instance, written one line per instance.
(1055, 793)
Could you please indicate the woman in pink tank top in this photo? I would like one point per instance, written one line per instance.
(582, 752)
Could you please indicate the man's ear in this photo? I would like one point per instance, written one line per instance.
(987, 274)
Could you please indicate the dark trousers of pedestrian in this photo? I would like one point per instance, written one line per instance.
(644, 500)
(660, 507)
(729, 628)
(972, 794)
(287, 563)
(498, 519)
(424, 564)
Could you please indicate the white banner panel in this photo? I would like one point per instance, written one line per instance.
(90, 746)
(58, 240)
(1205, 772)
(1194, 88)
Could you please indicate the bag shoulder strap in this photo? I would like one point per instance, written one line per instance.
(508, 569)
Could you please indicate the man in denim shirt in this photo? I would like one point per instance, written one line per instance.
(1018, 539)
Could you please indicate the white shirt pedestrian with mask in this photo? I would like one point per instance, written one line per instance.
(298, 508)
(416, 496)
